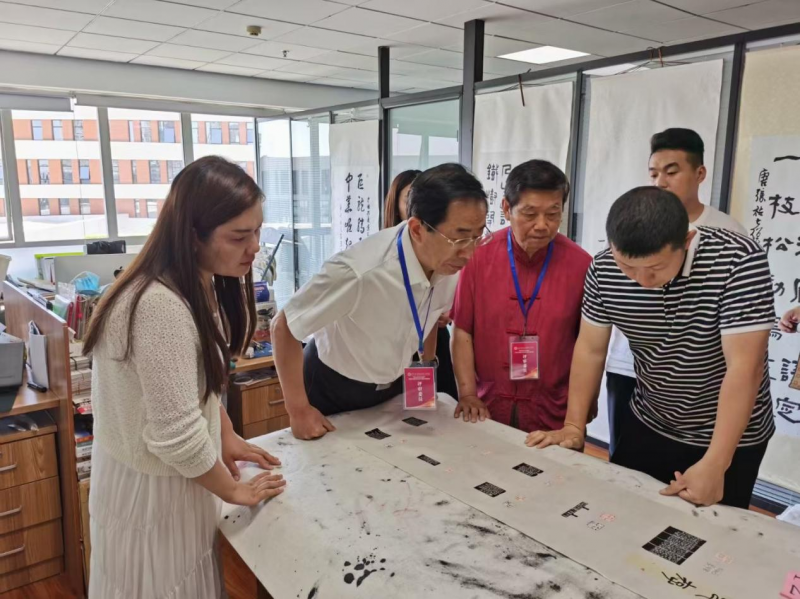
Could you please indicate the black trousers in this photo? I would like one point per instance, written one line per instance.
(331, 393)
(619, 390)
(445, 376)
(641, 448)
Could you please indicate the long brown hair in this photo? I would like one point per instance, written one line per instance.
(391, 211)
(204, 195)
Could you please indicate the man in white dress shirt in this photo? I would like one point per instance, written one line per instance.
(676, 164)
(358, 308)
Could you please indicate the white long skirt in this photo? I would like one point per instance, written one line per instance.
(153, 537)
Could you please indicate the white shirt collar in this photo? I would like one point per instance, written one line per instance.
(416, 274)
(690, 253)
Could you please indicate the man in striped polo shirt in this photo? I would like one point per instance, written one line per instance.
(697, 308)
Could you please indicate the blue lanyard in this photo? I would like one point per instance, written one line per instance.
(525, 309)
(412, 304)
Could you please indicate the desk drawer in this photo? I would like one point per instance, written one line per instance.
(262, 403)
(40, 571)
(265, 426)
(27, 461)
(28, 505)
(31, 546)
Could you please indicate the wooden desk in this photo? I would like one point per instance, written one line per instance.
(245, 365)
(29, 400)
(20, 310)
(417, 541)
(257, 409)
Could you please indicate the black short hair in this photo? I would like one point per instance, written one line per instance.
(435, 189)
(645, 220)
(680, 139)
(535, 175)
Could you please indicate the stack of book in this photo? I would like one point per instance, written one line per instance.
(81, 372)
(83, 446)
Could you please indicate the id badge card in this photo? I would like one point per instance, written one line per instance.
(419, 386)
(524, 358)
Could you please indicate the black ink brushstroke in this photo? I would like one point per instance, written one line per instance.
(788, 157)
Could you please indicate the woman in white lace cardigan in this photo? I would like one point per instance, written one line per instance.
(164, 449)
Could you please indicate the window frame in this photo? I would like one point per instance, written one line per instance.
(157, 165)
(44, 202)
(88, 167)
(61, 207)
(67, 162)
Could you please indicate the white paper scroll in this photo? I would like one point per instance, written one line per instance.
(508, 133)
(355, 169)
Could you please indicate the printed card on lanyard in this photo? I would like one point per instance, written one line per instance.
(419, 379)
(524, 350)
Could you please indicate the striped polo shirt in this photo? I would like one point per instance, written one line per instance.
(675, 332)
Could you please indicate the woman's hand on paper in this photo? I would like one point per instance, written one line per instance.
(235, 449)
(262, 486)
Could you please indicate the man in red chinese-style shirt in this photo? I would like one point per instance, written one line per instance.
(517, 309)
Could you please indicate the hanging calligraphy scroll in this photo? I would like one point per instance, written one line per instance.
(355, 172)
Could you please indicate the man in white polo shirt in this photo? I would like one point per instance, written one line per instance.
(676, 164)
(373, 306)
(697, 306)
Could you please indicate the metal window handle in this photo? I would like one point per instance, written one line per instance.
(11, 512)
(8, 468)
(277, 402)
(13, 552)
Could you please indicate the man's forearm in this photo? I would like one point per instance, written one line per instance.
(463, 362)
(288, 353)
(586, 374)
(736, 400)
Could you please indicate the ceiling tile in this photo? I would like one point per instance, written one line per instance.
(498, 46)
(43, 17)
(560, 8)
(367, 22)
(304, 12)
(22, 46)
(576, 36)
(203, 55)
(250, 61)
(346, 59)
(213, 4)
(763, 14)
(115, 44)
(491, 13)
(96, 54)
(430, 34)
(438, 73)
(215, 41)
(173, 63)
(424, 10)
(284, 76)
(357, 75)
(630, 16)
(230, 70)
(87, 6)
(307, 68)
(132, 29)
(707, 6)
(323, 38)
(398, 67)
(333, 82)
(397, 50)
(285, 50)
(154, 11)
(237, 25)
(439, 58)
(684, 29)
(38, 35)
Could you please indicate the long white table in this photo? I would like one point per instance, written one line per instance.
(351, 525)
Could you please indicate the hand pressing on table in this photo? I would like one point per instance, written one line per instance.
(702, 484)
(235, 449)
(308, 423)
(472, 409)
(259, 488)
(569, 437)
(790, 320)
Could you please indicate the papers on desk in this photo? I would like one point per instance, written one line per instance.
(37, 356)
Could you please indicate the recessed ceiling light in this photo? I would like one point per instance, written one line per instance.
(543, 55)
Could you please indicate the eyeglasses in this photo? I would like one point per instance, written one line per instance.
(466, 242)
